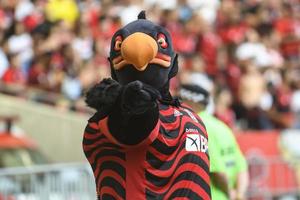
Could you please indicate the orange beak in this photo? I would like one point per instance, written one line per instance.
(139, 49)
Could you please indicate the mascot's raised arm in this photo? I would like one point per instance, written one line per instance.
(142, 143)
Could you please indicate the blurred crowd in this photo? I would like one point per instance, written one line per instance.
(246, 53)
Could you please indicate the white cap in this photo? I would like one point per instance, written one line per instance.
(201, 80)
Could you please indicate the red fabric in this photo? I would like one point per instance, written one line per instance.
(34, 75)
(208, 49)
(233, 34)
(31, 21)
(110, 191)
(191, 185)
(9, 141)
(290, 48)
(266, 163)
(285, 26)
(2, 16)
(57, 61)
(135, 170)
(183, 42)
(13, 75)
(93, 16)
(106, 31)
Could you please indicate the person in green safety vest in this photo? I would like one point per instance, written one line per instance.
(228, 167)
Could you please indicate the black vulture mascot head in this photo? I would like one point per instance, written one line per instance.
(143, 51)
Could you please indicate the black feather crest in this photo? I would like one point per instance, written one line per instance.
(142, 15)
(103, 95)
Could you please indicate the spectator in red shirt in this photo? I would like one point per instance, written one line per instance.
(14, 75)
(208, 47)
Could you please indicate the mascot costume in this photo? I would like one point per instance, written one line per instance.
(142, 143)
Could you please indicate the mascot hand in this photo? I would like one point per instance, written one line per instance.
(103, 95)
(138, 98)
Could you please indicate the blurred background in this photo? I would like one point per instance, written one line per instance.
(246, 52)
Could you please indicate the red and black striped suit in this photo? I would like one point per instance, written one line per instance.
(160, 167)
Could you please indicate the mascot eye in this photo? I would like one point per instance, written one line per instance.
(118, 42)
(161, 40)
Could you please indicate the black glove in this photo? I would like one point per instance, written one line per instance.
(135, 114)
(103, 96)
(138, 97)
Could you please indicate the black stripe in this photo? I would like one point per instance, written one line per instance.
(91, 130)
(153, 196)
(195, 114)
(190, 125)
(181, 192)
(163, 106)
(87, 141)
(114, 166)
(111, 182)
(105, 152)
(103, 145)
(186, 111)
(96, 117)
(172, 134)
(185, 192)
(110, 145)
(163, 148)
(201, 122)
(168, 150)
(160, 164)
(168, 119)
(108, 197)
(187, 175)
(165, 165)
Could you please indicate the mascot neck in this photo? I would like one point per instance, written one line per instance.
(166, 97)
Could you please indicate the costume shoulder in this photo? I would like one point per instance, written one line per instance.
(194, 116)
(181, 116)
